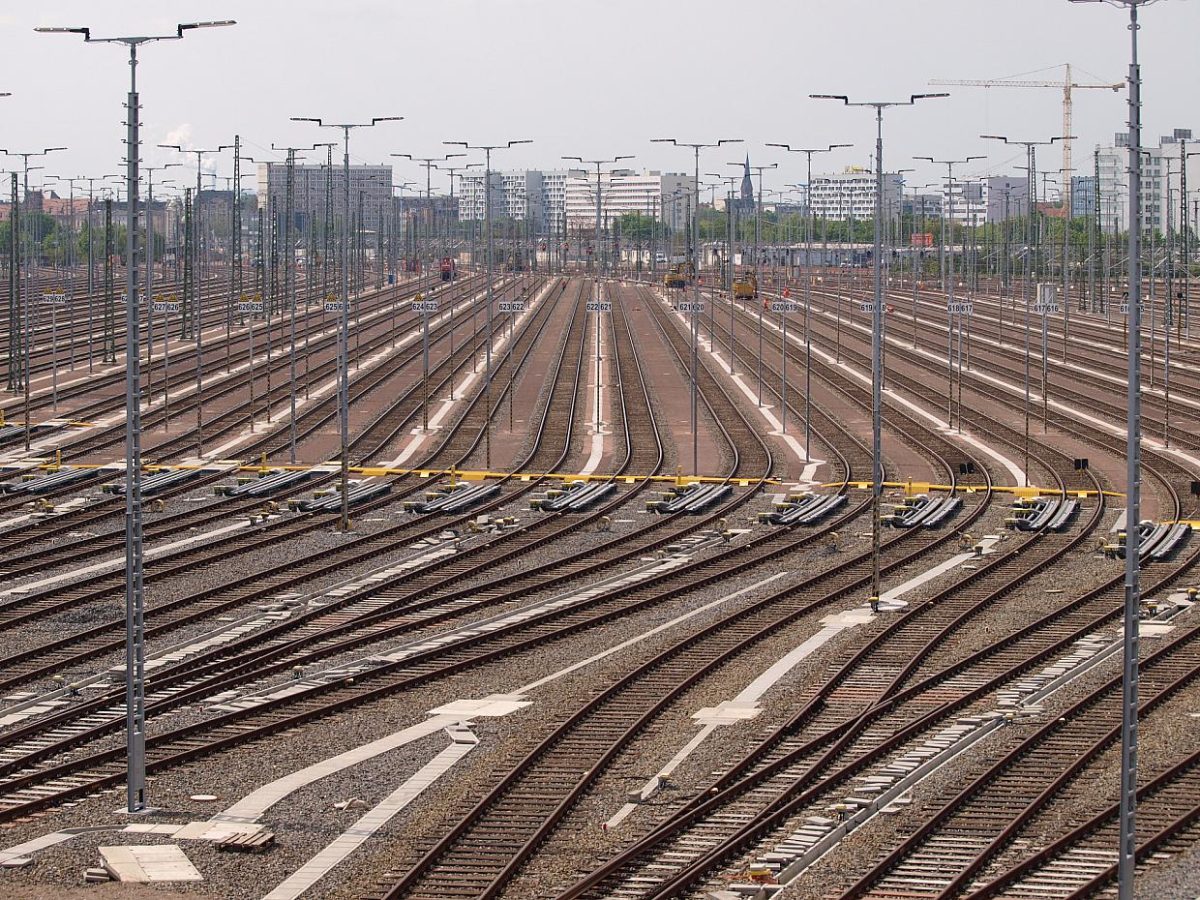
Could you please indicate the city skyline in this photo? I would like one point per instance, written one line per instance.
(641, 95)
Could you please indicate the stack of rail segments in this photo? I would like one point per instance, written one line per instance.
(1050, 513)
(331, 501)
(266, 484)
(1155, 540)
(574, 496)
(922, 510)
(692, 499)
(455, 499)
(160, 481)
(803, 509)
(10, 434)
(44, 484)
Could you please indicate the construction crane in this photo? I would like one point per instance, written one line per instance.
(1066, 86)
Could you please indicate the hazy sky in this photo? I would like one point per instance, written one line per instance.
(587, 78)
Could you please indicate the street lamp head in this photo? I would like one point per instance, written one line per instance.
(87, 34)
(189, 26)
(1122, 3)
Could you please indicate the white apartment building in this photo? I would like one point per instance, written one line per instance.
(472, 200)
(1161, 182)
(546, 197)
(527, 194)
(659, 195)
(981, 200)
(851, 194)
(554, 195)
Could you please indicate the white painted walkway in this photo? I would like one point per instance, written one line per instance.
(1036, 398)
(52, 440)
(1018, 474)
(811, 465)
(461, 391)
(597, 380)
(462, 743)
(745, 705)
(116, 563)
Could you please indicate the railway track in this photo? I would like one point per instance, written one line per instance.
(529, 802)
(43, 660)
(952, 847)
(370, 439)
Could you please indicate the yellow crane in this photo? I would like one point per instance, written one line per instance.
(1066, 86)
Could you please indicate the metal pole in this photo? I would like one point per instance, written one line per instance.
(876, 367)
(696, 312)
(487, 207)
(808, 277)
(135, 698)
(344, 339)
(1133, 452)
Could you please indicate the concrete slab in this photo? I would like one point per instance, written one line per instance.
(726, 712)
(1154, 629)
(490, 706)
(160, 862)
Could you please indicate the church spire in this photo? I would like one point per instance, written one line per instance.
(747, 186)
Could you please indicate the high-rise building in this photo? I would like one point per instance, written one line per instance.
(515, 195)
(546, 198)
(369, 185)
(981, 200)
(658, 195)
(1161, 181)
(851, 194)
(472, 199)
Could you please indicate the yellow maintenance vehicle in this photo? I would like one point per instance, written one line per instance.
(745, 287)
(680, 276)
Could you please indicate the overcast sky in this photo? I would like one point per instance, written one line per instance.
(587, 77)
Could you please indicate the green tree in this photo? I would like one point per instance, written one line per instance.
(633, 227)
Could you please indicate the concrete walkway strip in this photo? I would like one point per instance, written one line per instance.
(295, 885)
(744, 706)
(117, 563)
(499, 343)
(801, 453)
(251, 807)
(597, 378)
